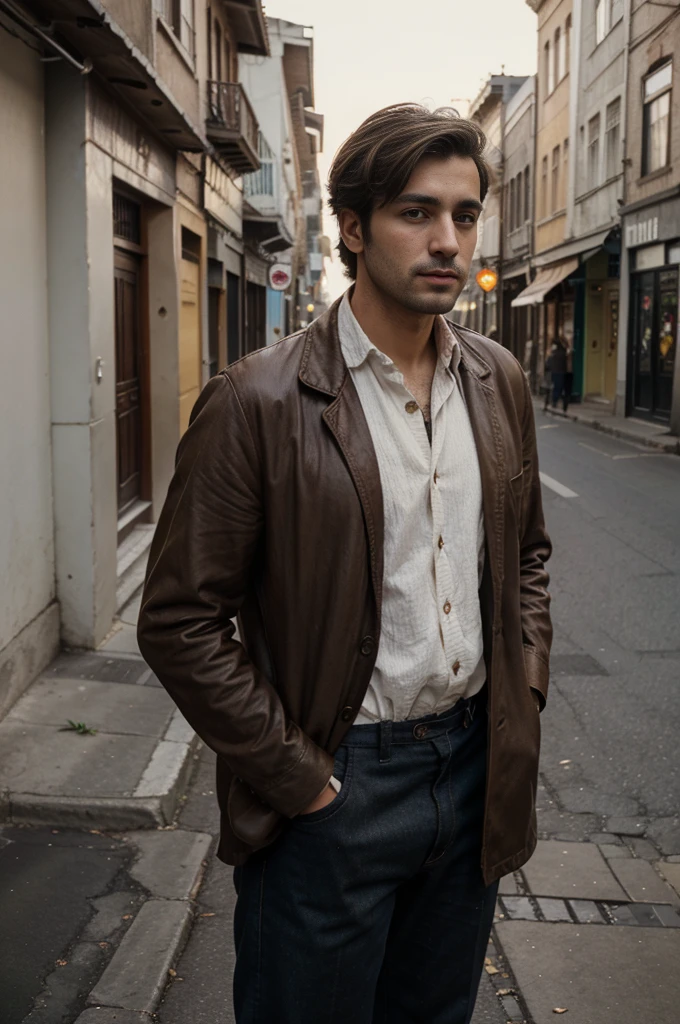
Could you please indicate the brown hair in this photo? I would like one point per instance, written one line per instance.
(374, 164)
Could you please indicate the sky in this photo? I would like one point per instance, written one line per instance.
(370, 53)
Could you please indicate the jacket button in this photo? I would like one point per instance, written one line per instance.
(456, 668)
(347, 714)
(367, 645)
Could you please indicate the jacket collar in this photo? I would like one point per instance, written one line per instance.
(323, 366)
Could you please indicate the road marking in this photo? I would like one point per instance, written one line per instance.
(641, 455)
(549, 426)
(591, 448)
(557, 487)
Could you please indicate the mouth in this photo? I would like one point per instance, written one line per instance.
(440, 276)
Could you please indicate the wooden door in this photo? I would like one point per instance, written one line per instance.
(190, 358)
(610, 370)
(129, 384)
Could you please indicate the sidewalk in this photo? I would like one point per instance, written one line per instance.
(640, 432)
(128, 772)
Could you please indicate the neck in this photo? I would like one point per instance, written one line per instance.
(402, 334)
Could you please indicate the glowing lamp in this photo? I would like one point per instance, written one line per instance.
(487, 279)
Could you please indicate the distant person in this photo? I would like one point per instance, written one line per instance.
(547, 383)
(365, 496)
(558, 372)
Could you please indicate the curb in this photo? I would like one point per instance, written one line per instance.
(153, 803)
(671, 447)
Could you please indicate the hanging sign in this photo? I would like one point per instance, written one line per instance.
(487, 279)
(279, 276)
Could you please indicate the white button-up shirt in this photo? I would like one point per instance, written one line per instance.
(431, 648)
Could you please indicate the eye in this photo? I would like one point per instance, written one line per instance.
(466, 218)
(414, 214)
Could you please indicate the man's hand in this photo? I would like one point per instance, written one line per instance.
(323, 800)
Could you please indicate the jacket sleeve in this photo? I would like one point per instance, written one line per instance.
(535, 550)
(200, 568)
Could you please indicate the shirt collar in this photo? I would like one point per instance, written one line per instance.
(357, 346)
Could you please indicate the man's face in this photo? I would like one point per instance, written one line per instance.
(421, 244)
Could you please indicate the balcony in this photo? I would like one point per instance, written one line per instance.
(232, 126)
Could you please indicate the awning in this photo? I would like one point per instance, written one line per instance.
(545, 280)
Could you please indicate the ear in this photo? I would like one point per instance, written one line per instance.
(350, 231)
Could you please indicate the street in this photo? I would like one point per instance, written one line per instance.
(609, 776)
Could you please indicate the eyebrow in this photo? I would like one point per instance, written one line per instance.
(421, 199)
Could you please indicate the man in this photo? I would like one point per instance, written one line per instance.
(365, 496)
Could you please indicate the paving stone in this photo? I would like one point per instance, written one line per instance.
(644, 915)
(508, 886)
(574, 826)
(555, 968)
(511, 1008)
(586, 912)
(641, 881)
(643, 848)
(138, 972)
(571, 870)
(108, 1015)
(96, 666)
(169, 864)
(123, 641)
(613, 852)
(553, 910)
(673, 860)
(668, 916)
(623, 914)
(671, 872)
(519, 908)
(605, 839)
(665, 833)
(627, 826)
(581, 799)
(126, 708)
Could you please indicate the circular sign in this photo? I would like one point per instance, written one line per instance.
(487, 279)
(279, 276)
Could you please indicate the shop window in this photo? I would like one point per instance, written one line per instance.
(613, 138)
(594, 151)
(656, 119)
(555, 190)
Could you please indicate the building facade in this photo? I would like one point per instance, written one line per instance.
(648, 340)
(129, 284)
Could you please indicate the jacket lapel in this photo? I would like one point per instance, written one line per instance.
(480, 399)
(323, 369)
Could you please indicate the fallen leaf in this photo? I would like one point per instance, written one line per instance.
(488, 960)
(560, 1009)
(95, 832)
(490, 969)
(206, 915)
(103, 945)
(565, 762)
(172, 972)
(505, 975)
(126, 917)
(505, 991)
(62, 963)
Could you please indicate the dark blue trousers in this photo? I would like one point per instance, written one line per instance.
(373, 910)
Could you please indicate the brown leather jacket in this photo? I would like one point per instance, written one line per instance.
(275, 515)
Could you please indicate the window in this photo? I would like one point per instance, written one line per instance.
(616, 12)
(555, 190)
(559, 56)
(565, 170)
(179, 14)
(601, 20)
(656, 119)
(527, 194)
(518, 201)
(567, 44)
(594, 151)
(612, 138)
(548, 68)
(544, 186)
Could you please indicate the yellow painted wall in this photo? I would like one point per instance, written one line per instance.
(192, 286)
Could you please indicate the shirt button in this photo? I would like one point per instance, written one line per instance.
(435, 477)
(456, 668)
(411, 407)
(347, 714)
(440, 542)
(447, 608)
(367, 645)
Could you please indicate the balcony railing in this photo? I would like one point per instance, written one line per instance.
(232, 126)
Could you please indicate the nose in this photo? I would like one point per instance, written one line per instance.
(444, 241)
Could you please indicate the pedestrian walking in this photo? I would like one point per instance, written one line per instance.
(365, 496)
(547, 384)
(558, 371)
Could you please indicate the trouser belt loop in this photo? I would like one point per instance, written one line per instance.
(385, 742)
